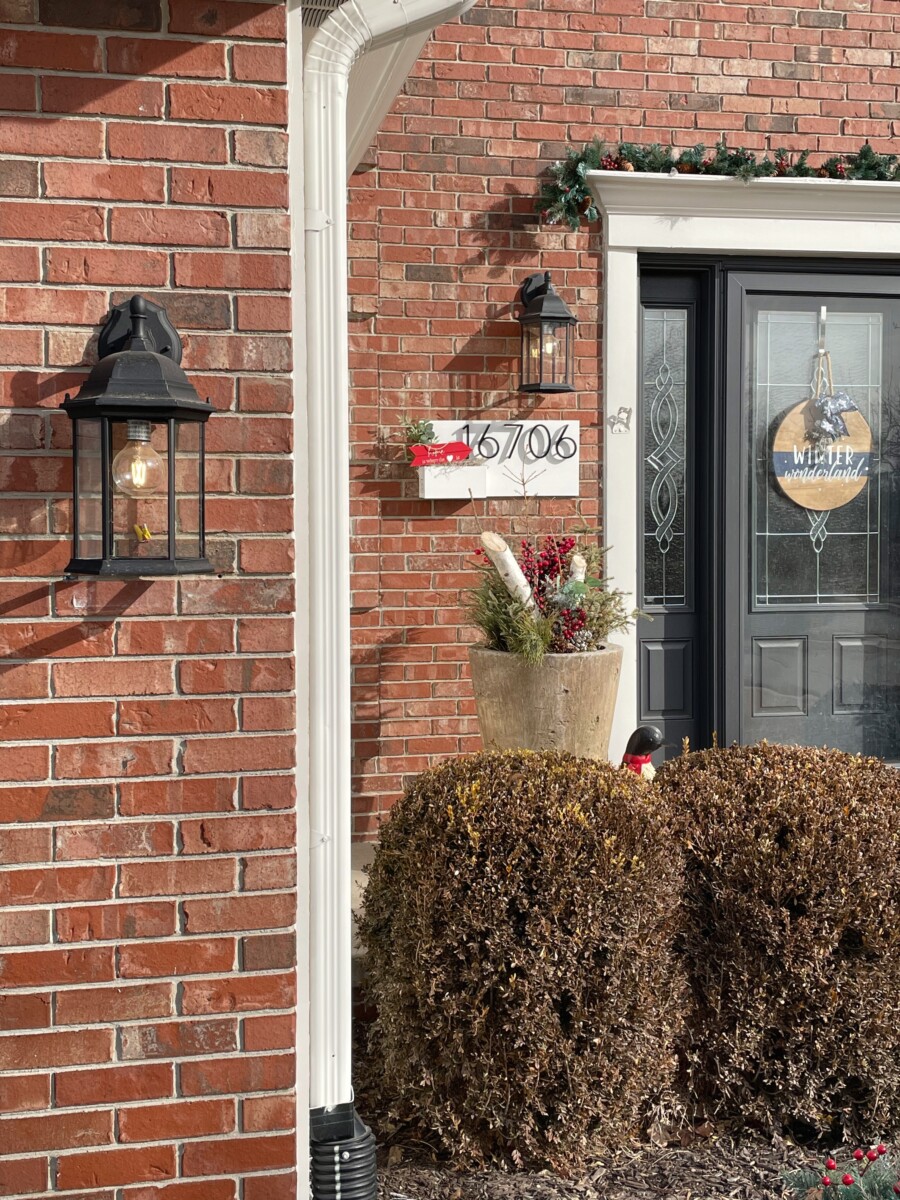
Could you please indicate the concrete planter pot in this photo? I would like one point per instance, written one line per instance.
(564, 703)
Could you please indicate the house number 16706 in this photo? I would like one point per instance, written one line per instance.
(540, 440)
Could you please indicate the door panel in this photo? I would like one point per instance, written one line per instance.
(815, 601)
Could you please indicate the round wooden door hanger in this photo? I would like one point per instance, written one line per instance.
(826, 477)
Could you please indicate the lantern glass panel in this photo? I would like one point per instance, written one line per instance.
(188, 452)
(531, 354)
(89, 496)
(554, 353)
(140, 515)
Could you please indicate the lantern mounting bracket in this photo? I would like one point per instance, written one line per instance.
(534, 286)
(158, 330)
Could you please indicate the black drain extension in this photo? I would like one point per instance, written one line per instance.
(343, 1155)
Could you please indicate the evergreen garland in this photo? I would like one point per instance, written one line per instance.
(565, 197)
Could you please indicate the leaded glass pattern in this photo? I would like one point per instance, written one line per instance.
(801, 556)
(664, 440)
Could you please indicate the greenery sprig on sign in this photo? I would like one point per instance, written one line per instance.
(565, 197)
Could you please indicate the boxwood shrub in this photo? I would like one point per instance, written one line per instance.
(791, 937)
(518, 929)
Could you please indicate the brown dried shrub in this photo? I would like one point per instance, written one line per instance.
(517, 925)
(791, 936)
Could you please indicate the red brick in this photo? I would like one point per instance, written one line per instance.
(46, 137)
(231, 270)
(176, 637)
(103, 14)
(239, 833)
(97, 760)
(70, 95)
(24, 762)
(57, 639)
(137, 268)
(229, 188)
(94, 1005)
(106, 182)
(52, 1131)
(175, 1039)
(57, 803)
(260, 148)
(204, 755)
(264, 64)
(268, 712)
(242, 1074)
(19, 264)
(268, 791)
(262, 229)
(220, 102)
(176, 877)
(28, 1011)
(201, 996)
(18, 92)
(31, 1050)
(260, 1113)
(24, 1093)
(263, 312)
(164, 227)
(46, 968)
(252, 435)
(269, 1033)
(51, 51)
(270, 872)
(25, 722)
(269, 556)
(29, 928)
(157, 56)
(237, 1155)
(269, 951)
(235, 675)
(60, 885)
(238, 912)
(115, 922)
(25, 846)
(30, 221)
(132, 678)
(166, 143)
(150, 1081)
(228, 17)
(271, 1187)
(21, 346)
(238, 596)
(21, 681)
(23, 12)
(162, 1122)
(137, 839)
(33, 305)
(265, 634)
(177, 716)
(177, 796)
(23, 1176)
(209, 1189)
(111, 1167)
(182, 957)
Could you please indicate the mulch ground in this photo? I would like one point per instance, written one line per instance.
(717, 1168)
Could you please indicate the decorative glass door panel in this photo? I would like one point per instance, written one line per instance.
(813, 438)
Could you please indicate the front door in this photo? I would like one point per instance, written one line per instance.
(770, 419)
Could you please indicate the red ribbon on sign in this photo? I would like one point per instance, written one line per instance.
(439, 454)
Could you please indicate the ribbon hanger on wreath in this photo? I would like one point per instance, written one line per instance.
(827, 405)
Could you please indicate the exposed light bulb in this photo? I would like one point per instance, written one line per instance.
(551, 346)
(137, 469)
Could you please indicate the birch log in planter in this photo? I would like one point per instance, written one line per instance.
(566, 702)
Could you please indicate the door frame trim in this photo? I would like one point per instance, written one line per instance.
(693, 216)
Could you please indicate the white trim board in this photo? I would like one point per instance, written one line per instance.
(694, 214)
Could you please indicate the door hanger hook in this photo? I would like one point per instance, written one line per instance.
(823, 316)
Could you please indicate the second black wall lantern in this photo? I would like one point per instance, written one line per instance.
(548, 337)
(138, 504)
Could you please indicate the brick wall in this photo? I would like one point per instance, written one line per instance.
(443, 232)
(146, 729)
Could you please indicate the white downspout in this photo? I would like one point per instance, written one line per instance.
(350, 31)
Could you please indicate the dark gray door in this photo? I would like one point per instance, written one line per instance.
(811, 564)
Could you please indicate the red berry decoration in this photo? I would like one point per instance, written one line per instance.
(830, 1164)
(871, 1155)
(858, 1155)
(826, 1181)
(846, 1180)
(897, 1189)
(881, 1148)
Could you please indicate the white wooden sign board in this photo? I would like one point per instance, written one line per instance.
(509, 458)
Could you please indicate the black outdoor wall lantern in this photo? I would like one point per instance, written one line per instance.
(548, 337)
(138, 446)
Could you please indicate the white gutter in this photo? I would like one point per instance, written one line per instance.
(349, 32)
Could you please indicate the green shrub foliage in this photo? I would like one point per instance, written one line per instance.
(518, 933)
(791, 936)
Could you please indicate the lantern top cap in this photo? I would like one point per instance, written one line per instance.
(542, 303)
(138, 373)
